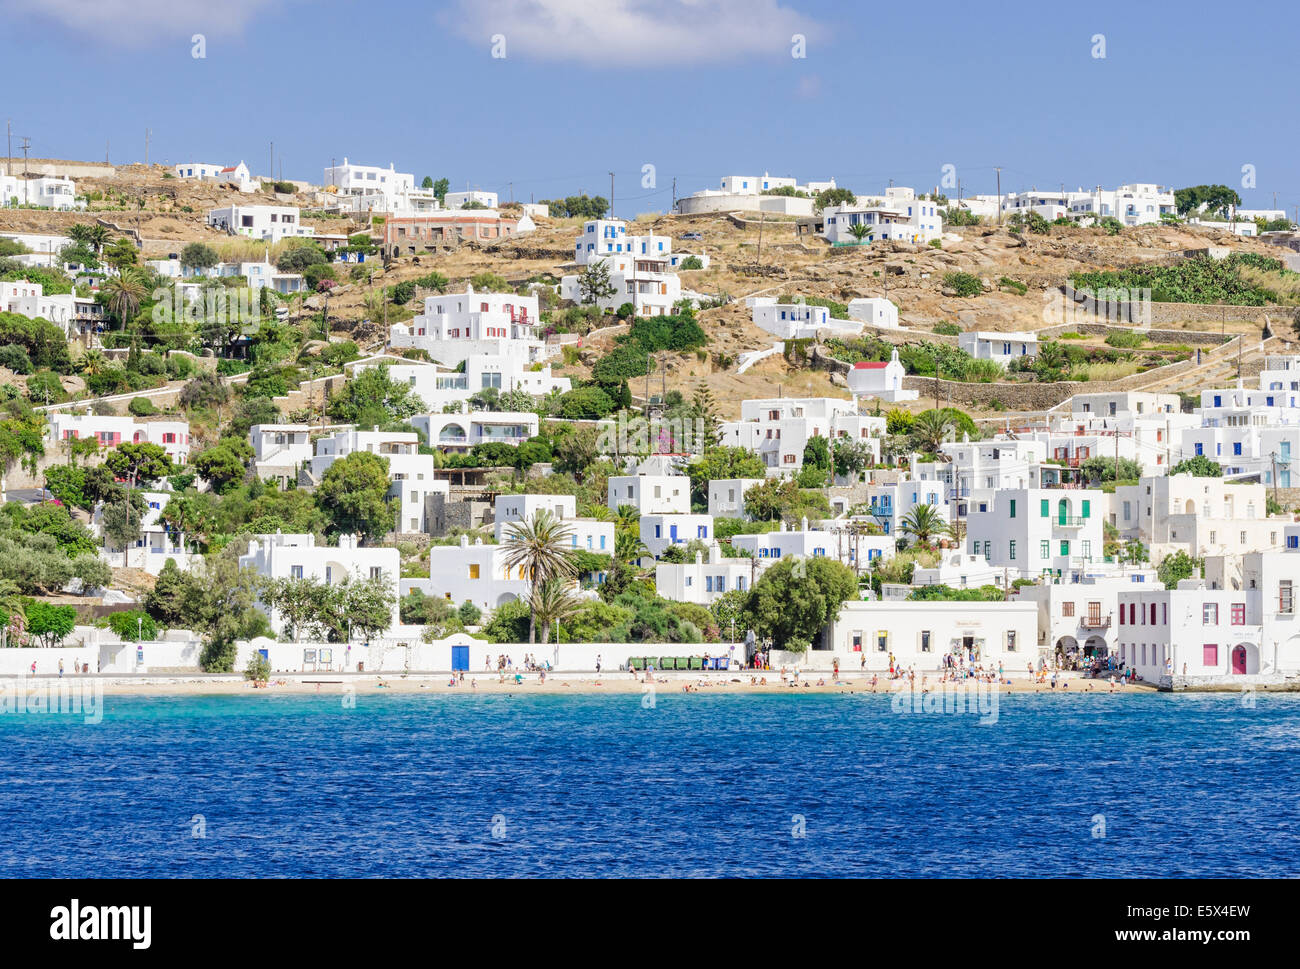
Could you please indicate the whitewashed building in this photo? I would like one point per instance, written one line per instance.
(778, 428)
(279, 450)
(1000, 347)
(921, 634)
(172, 436)
(269, 222)
(410, 472)
(1037, 530)
(456, 326)
(282, 556)
(460, 432)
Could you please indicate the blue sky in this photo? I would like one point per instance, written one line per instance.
(697, 88)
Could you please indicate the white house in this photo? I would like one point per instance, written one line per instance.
(778, 428)
(645, 281)
(458, 200)
(660, 531)
(727, 496)
(197, 170)
(746, 193)
(279, 450)
(797, 320)
(172, 436)
(888, 504)
(1002, 347)
(1133, 204)
(456, 326)
(238, 176)
(460, 432)
(269, 222)
(29, 299)
(437, 387)
(832, 541)
(875, 311)
(411, 473)
(650, 494)
(1037, 530)
(41, 191)
(1079, 620)
(1200, 516)
(471, 572)
(704, 581)
(584, 534)
(921, 634)
(900, 215)
(299, 557)
(363, 189)
(156, 545)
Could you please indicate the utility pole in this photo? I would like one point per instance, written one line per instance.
(333, 174)
(512, 193)
(674, 208)
(762, 216)
(147, 135)
(27, 143)
(999, 171)
(1273, 455)
(9, 141)
(270, 172)
(611, 195)
(107, 143)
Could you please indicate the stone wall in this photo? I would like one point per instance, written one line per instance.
(1190, 337)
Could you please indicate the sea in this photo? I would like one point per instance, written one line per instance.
(625, 785)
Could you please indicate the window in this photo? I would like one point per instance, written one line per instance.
(925, 640)
(376, 572)
(473, 570)
(295, 572)
(1013, 511)
(882, 642)
(1239, 614)
(1011, 640)
(1011, 550)
(1044, 550)
(1285, 600)
(1210, 655)
(1044, 509)
(1065, 547)
(1067, 609)
(1210, 614)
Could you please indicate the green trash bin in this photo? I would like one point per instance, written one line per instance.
(697, 662)
(683, 662)
(666, 663)
(634, 663)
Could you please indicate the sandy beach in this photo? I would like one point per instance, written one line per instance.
(574, 683)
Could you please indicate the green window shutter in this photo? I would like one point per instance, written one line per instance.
(1013, 508)
(1065, 548)
(1087, 507)
(1044, 507)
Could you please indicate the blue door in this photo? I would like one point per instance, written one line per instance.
(459, 658)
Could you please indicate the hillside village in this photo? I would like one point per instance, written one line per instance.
(374, 424)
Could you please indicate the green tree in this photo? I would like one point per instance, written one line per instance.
(165, 602)
(721, 463)
(540, 546)
(834, 196)
(123, 294)
(353, 492)
(196, 255)
(924, 522)
(793, 601)
(49, 623)
(1176, 567)
(594, 283)
(373, 398)
(225, 463)
(550, 602)
(930, 429)
(1198, 466)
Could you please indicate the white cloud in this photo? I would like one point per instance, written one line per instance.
(619, 32)
(135, 23)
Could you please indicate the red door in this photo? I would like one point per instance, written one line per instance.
(1239, 660)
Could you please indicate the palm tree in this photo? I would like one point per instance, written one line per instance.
(629, 519)
(860, 230)
(125, 291)
(551, 601)
(541, 545)
(1050, 355)
(90, 234)
(628, 546)
(930, 429)
(925, 521)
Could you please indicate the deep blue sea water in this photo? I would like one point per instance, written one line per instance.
(408, 785)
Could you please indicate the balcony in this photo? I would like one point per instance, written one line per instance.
(1069, 521)
(1095, 622)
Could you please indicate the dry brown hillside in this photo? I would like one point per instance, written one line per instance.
(144, 199)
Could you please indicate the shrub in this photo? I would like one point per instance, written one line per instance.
(964, 284)
(1015, 285)
(944, 328)
(133, 625)
(15, 358)
(1124, 339)
(142, 407)
(258, 668)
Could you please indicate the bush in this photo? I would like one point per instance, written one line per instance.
(133, 626)
(944, 328)
(1015, 285)
(142, 407)
(258, 668)
(43, 387)
(1124, 339)
(691, 262)
(964, 284)
(15, 358)
(286, 188)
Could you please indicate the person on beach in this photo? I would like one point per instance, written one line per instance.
(60, 668)
(835, 669)
(598, 664)
(33, 667)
